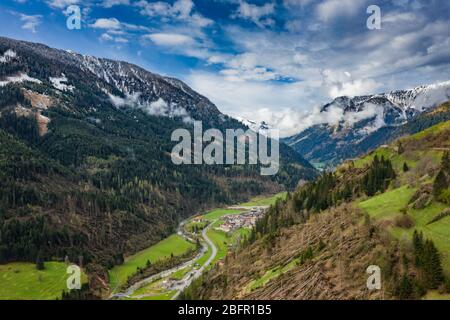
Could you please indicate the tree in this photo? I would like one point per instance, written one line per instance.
(405, 167)
(39, 262)
(432, 265)
(406, 288)
(440, 183)
(445, 162)
(400, 147)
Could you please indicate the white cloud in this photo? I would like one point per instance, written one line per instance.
(330, 9)
(180, 10)
(30, 22)
(106, 23)
(61, 4)
(112, 3)
(170, 39)
(341, 83)
(257, 14)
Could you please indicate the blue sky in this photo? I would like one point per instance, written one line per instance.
(263, 60)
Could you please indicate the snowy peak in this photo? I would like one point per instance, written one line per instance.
(125, 84)
(350, 126)
(393, 108)
(261, 127)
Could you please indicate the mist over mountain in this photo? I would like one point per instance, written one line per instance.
(86, 144)
(350, 126)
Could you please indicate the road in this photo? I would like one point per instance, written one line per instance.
(187, 279)
(195, 274)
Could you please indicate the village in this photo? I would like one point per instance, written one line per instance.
(247, 220)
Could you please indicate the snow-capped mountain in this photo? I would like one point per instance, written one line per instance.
(261, 127)
(100, 91)
(125, 84)
(355, 125)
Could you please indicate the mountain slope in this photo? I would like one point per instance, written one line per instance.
(101, 131)
(363, 123)
(318, 243)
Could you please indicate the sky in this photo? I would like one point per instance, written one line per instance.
(275, 61)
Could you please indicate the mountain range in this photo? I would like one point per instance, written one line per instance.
(85, 164)
(352, 126)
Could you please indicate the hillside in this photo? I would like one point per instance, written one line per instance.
(363, 123)
(389, 208)
(85, 158)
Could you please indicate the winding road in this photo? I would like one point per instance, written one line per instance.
(187, 279)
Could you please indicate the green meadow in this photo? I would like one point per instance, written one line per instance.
(216, 214)
(264, 201)
(387, 206)
(174, 244)
(22, 281)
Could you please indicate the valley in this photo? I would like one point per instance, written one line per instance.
(379, 209)
(215, 245)
(88, 177)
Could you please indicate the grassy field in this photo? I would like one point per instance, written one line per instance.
(22, 281)
(387, 207)
(271, 274)
(174, 244)
(216, 214)
(388, 204)
(222, 239)
(264, 201)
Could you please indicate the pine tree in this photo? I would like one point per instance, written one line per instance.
(39, 262)
(400, 148)
(406, 288)
(445, 162)
(440, 183)
(405, 167)
(432, 265)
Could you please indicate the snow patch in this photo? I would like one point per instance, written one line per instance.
(156, 108)
(7, 56)
(60, 83)
(22, 77)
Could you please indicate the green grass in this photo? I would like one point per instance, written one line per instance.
(216, 214)
(178, 275)
(438, 231)
(271, 274)
(431, 131)
(221, 240)
(264, 201)
(388, 204)
(435, 295)
(174, 244)
(22, 281)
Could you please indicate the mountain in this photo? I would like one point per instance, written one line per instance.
(85, 161)
(362, 123)
(388, 209)
(261, 127)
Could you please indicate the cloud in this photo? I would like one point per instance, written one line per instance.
(112, 3)
(254, 100)
(170, 39)
(61, 4)
(257, 14)
(155, 108)
(106, 23)
(341, 83)
(30, 22)
(331, 9)
(180, 10)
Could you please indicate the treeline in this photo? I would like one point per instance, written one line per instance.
(441, 185)
(428, 262)
(326, 191)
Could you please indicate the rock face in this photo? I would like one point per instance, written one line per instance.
(364, 122)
